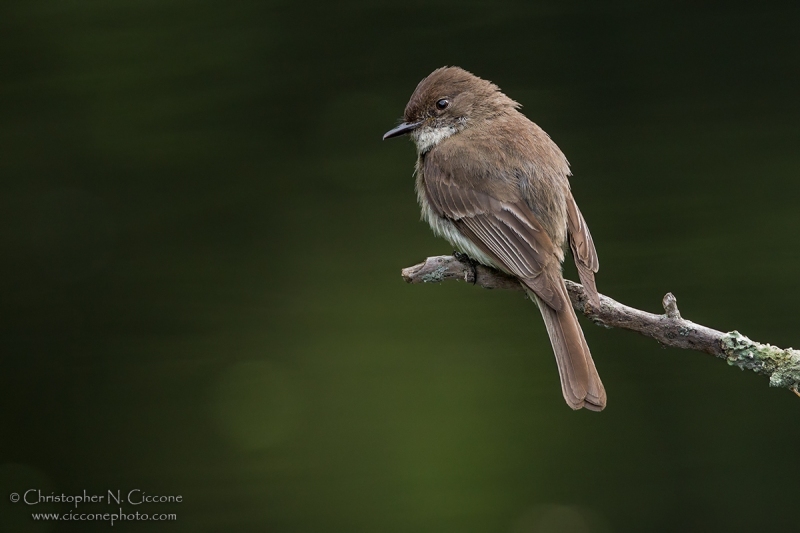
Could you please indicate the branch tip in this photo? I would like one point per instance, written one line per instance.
(670, 304)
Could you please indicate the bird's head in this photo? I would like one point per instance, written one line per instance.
(449, 100)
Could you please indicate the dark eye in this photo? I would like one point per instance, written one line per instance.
(442, 104)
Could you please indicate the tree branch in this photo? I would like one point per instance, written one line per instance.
(782, 367)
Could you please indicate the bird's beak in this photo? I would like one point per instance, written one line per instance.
(402, 129)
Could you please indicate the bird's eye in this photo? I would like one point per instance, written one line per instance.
(442, 104)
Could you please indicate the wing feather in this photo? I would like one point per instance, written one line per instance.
(507, 231)
(583, 250)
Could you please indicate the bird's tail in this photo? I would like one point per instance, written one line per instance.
(580, 382)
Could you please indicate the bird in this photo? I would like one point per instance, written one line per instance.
(496, 186)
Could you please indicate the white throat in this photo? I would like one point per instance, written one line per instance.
(427, 137)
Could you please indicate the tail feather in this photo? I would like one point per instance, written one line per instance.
(580, 382)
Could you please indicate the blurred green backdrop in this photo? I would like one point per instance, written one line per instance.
(202, 235)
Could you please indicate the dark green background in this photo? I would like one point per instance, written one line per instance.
(202, 235)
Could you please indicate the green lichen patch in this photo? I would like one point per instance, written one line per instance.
(436, 276)
(782, 366)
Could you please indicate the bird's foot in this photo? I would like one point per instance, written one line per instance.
(467, 260)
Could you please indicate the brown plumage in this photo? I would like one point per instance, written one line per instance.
(495, 185)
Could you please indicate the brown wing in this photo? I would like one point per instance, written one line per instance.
(506, 231)
(583, 251)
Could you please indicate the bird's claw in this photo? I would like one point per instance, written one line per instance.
(467, 260)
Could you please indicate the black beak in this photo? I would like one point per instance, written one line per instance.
(402, 129)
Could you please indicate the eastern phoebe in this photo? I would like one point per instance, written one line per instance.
(495, 185)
